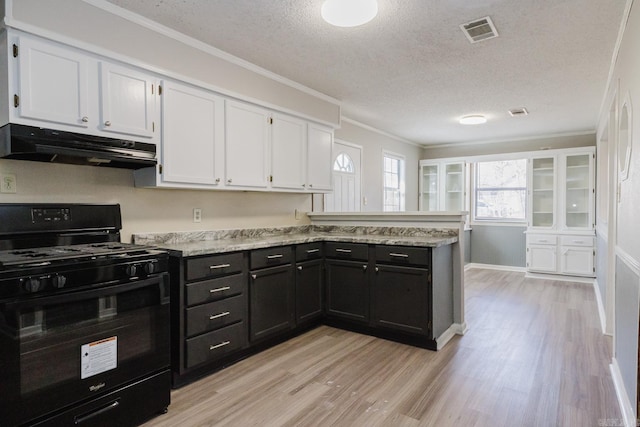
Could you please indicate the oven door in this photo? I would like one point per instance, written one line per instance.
(61, 349)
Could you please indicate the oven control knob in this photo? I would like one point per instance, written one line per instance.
(131, 270)
(150, 268)
(58, 281)
(31, 284)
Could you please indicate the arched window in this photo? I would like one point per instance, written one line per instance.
(343, 163)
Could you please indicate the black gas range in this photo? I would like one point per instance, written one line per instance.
(84, 319)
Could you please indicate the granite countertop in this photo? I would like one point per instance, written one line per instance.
(220, 241)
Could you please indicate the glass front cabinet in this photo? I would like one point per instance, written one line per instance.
(443, 186)
(561, 205)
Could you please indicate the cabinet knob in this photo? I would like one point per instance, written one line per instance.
(364, 267)
(229, 181)
(310, 185)
(304, 185)
(107, 123)
(377, 269)
(300, 268)
(254, 276)
(85, 119)
(217, 180)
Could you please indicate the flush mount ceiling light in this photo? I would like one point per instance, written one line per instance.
(475, 119)
(349, 13)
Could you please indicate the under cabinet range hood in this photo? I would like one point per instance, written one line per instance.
(22, 142)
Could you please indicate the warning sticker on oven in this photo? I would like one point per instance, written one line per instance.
(98, 357)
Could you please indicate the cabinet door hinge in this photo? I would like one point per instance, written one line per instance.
(153, 126)
(160, 169)
(270, 120)
(159, 90)
(15, 50)
(594, 252)
(16, 101)
(270, 178)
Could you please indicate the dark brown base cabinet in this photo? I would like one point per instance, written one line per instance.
(228, 306)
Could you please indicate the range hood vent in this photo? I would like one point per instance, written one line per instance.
(479, 30)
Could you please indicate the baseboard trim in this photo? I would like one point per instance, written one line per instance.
(628, 413)
(453, 330)
(494, 267)
(561, 278)
(601, 312)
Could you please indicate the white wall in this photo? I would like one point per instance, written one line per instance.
(374, 143)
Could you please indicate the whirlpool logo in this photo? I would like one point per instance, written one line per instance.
(96, 387)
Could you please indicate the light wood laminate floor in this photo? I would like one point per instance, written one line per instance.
(534, 355)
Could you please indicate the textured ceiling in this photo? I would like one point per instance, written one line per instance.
(412, 72)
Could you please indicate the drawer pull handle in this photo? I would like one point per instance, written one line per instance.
(344, 251)
(313, 251)
(578, 241)
(543, 240)
(222, 344)
(219, 266)
(224, 288)
(217, 316)
(274, 256)
(398, 255)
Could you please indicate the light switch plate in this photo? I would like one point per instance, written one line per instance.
(197, 215)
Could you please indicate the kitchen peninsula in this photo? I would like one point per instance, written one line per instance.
(236, 292)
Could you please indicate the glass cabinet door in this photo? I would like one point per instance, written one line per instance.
(429, 192)
(454, 187)
(542, 192)
(577, 191)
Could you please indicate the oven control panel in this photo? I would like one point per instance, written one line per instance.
(47, 215)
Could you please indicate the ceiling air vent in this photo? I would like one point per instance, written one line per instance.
(515, 112)
(479, 30)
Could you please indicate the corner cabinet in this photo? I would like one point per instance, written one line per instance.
(561, 201)
(443, 186)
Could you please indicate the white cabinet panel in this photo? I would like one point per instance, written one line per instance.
(542, 258)
(576, 260)
(247, 133)
(126, 101)
(319, 167)
(192, 135)
(288, 143)
(53, 83)
(443, 186)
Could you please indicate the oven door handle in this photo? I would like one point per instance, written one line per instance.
(80, 293)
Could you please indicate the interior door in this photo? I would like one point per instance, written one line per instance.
(347, 174)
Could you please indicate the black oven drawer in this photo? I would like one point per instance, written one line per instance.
(208, 317)
(216, 289)
(215, 344)
(400, 255)
(309, 251)
(129, 406)
(354, 251)
(213, 266)
(269, 257)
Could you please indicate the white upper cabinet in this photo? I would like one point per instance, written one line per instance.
(192, 135)
(127, 101)
(579, 191)
(59, 87)
(288, 151)
(247, 135)
(542, 193)
(51, 84)
(319, 172)
(443, 186)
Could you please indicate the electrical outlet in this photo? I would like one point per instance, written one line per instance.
(197, 215)
(8, 183)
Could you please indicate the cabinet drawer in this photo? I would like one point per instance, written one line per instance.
(576, 241)
(215, 344)
(358, 251)
(541, 239)
(215, 315)
(213, 266)
(269, 257)
(215, 289)
(309, 251)
(403, 255)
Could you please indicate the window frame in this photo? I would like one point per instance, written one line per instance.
(474, 190)
(402, 168)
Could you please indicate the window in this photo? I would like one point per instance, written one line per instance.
(393, 191)
(343, 163)
(501, 190)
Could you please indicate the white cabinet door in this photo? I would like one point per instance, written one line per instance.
(319, 158)
(192, 135)
(578, 191)
(542, 258)
(247, 134)
(288, 143)
(542, 192)
(429, 187)
(454, 186)
(576, 260)
(127, 101)
(52, 84)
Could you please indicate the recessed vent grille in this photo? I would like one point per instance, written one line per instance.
(518, 112)
(479, 30)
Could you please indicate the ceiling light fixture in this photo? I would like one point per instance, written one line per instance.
(349, 13)
(475, 119)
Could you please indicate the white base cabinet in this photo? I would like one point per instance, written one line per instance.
(572, 255)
